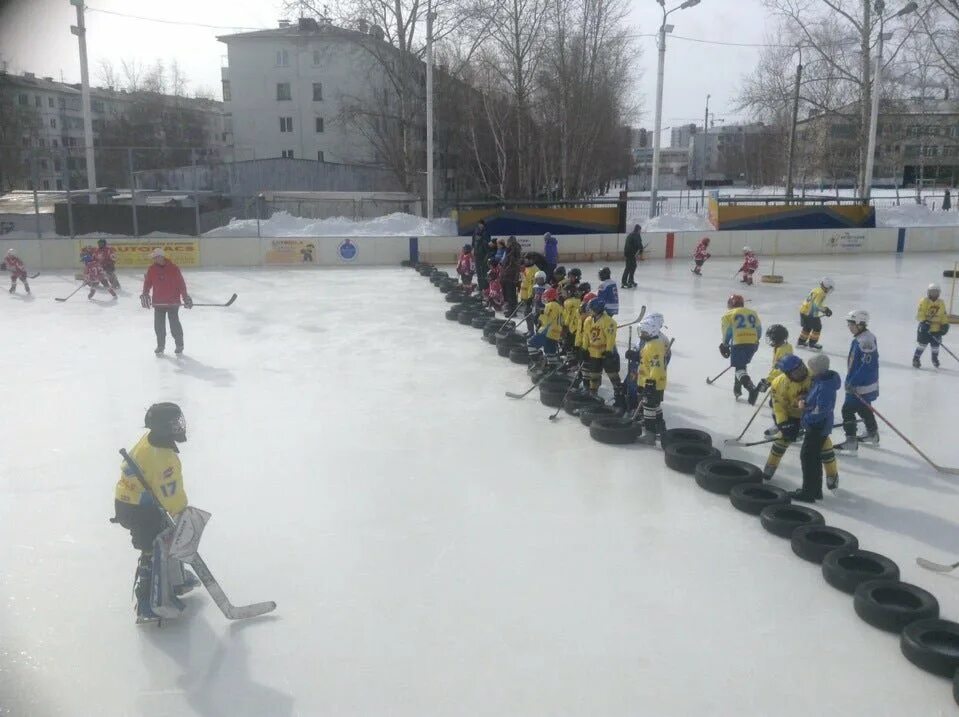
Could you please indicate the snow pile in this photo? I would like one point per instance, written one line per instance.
(284, 224)
(687, 221)
(914, 215)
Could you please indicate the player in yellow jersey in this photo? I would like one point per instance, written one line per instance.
(649, 359)
(777, 336)
(572, 322)
(810, 313)
(741, 331)
(933, 325)
(527, 282)
(550, 326)
(599, 335)
(136, 510)
(788, 390)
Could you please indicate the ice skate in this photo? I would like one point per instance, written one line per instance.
(647, 439)
(190, 581)
(935, 359)
(13, 289)
(178, 350)
(92, 293)
(768, 472)
(771, 432)
(870, 439)
(158, 350)
(832, 482)
(916, 363)
(814, 346)
(849, 446)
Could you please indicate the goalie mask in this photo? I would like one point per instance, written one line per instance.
(166, 420)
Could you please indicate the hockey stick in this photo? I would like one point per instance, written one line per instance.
(776, 438)
(229, 302)
(579, 370)
(57, 298)
(233, 612)
(936, 567)
(34, 276)
(509, 394)
(642, 313)
(946, 349)
(736, 441)
(711, 381)
(927, 459)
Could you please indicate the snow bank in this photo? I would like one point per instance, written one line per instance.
(284, 224)
(914, 215)
(687, 221)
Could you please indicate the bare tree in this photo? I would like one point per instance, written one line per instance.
(107, 75)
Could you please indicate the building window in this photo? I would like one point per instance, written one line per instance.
(46, 184)
(283, 91)
(56, 165)
(62, 103)
(49, 102)
(40, 143)
(319, 124)
(53, 123)
(59, 184)
(227, 95)
(286, 124)
(319, 156)
(23, 99)
(282, 58)
(37, 101)
(317, 91)
(316, 58)
(287, 154)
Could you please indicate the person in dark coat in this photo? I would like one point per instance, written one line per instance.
(537, 260)
(551, 251)
(481, 241)
(946, 201)
(633, 245)
(509, 274)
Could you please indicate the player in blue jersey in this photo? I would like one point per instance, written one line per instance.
(862, 383)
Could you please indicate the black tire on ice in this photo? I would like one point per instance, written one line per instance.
(892, 605)
(846, 569)
(588, 415)
(553, 399)
(466, 317)
(684, 457)
(752, 498)
(720, 475)
(478, 321)
(815, 542)
(932, 645)
(614, 431)
(581, 399)
(685, 435)
(454, 313)
(782, 520)
(519, 354)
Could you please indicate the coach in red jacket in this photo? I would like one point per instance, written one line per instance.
(165, 279)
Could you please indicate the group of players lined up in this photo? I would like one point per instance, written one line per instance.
(99, 269)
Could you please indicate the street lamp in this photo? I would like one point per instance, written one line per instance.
(874, 116)
(663, 29)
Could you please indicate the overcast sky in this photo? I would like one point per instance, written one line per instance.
(35, 36)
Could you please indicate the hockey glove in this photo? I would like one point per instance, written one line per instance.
(187, 301)
(145, 301)
(827, 312)
(762, 386)
(632, 355)
(724, 350)
(789, 429)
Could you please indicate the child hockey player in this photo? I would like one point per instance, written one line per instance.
(93, 274)
(788, 389)
(700, 255)
(933, 325)
(493, 293)
(750, 264)
(107, 258)
(862, 383)
(776, 336)
(608, 292)
(137, 511)
(539, 286)
(550, 325)
(558, 278)
(648, 360)
(526, 292)
(571, 286)
(571, 320)
(15, 266)
(599, 335)
(741, 332)
(465, 266)
(810, 312)
(817, 417)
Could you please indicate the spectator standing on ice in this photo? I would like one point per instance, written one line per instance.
(481, 240)
(166, 281)
(551, 252)
(509, 274)
(947, 201)
(633, 245)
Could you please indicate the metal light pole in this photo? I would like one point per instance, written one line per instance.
(663, 29)
(429, 112)
(702, 183)
(792, 130)
(880, 6)
(80, 30)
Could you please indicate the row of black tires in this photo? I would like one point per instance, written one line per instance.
(879, 597)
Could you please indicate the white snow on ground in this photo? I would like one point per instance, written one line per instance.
(914, 215)
(284, 224)
(688, 221)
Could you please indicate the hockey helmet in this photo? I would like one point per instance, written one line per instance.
(789, 363)
(550, 295)
(587, 299)
(101, 243)
(858, 317)
(747, 250)
(578, 273)
(777, 334)
(735, 301)
(559, 271)
(166, 420)
(651, 325)
(933, 289)
(540, 276)
(827, 283)
(604, 273)
(597, 305)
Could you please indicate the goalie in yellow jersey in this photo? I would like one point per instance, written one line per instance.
(933, 325)
(160, 579)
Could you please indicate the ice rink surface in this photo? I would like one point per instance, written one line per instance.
(434, 547)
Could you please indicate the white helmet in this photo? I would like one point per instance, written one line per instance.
(827, 283)
(651, 325)
(11, 252)
(858, 317)
(933, 289)
(747, 250)
(540, 275)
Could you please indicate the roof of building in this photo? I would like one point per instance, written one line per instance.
(305, 28)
